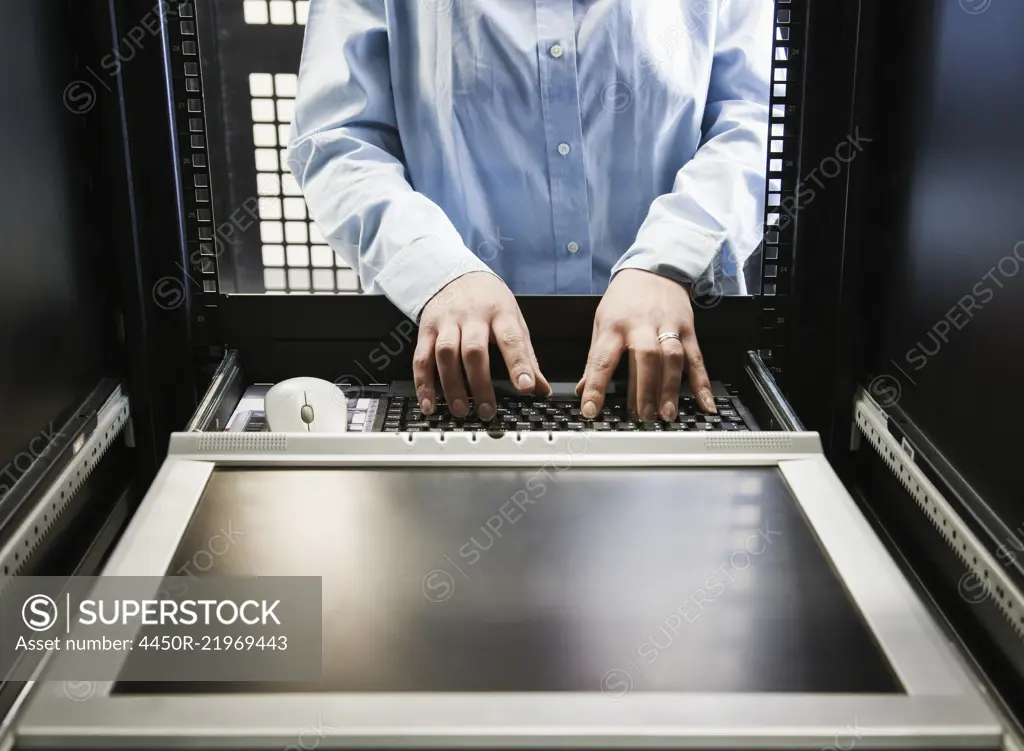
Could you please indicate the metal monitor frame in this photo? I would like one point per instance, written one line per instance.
(942, 707)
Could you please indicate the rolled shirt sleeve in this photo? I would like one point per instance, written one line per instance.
(717, 201)
(346, 156)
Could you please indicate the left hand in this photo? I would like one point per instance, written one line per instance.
(637, 307)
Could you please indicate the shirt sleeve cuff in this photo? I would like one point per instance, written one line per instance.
(674, 251)
(423, 269)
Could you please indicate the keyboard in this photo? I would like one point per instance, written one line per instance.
(519, 414)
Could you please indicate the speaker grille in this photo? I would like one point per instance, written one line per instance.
(749, 442)
(242, 442)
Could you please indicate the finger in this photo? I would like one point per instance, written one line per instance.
(672, 360)
(699, 381)
(583, 381)
(605, 353)
(512, 339)
(448, 352)
(423, 369)
(476, 337)
(631, 408)
(543, 388)
(647, 358)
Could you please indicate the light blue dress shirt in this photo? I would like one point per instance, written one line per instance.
(553, 142)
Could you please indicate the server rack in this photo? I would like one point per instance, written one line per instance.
(810, 332)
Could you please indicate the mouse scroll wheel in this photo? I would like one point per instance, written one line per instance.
(306, 413)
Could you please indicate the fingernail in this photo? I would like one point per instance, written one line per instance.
(668, 411)
(589, 410)
(459, 408)
(525, 381)
(486, 411)
(426, 406)
(648, 413)
(707, 401)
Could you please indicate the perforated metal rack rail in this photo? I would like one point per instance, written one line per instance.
(191, 132)
(781, 204)
(984, 577)
(88, 451)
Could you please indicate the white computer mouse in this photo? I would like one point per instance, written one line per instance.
(306, 405)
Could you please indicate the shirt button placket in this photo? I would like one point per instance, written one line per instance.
(559, 88)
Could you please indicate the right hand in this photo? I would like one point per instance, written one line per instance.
(456, 327)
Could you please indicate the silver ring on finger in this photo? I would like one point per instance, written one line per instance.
(662, 338)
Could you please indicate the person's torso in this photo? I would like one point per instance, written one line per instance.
(546, 128)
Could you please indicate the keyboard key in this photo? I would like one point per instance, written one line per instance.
(526, 414)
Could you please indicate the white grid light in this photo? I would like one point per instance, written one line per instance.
(296, 258)
(275, 12)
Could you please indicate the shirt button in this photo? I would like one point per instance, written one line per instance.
(573, 247)
(557, 51)
(563, 148)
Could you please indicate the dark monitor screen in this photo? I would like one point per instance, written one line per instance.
(522, 580)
